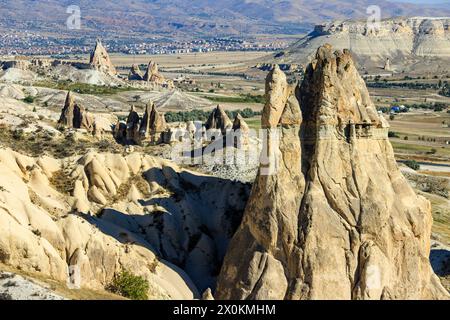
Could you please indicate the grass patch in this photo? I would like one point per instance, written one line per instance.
(254, 123)
(420, 149)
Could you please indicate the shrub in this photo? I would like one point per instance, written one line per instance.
(28, 99)
(130, 286)
(412, 164)
(393, 134)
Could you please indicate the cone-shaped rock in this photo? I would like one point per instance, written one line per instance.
(100, 60)
(152, 74)
(73, 115)
(66, 118)
(218, 119)
(135, 73)
(132, 131)
(153, 123)
(241, 130)
(337, 219)
(240, 124)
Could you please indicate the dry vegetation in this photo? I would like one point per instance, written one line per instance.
(60, 288)
(43, 142)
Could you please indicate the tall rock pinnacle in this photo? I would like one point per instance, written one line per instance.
(152, 74)
(100, 60)
(337, 220)
(73, 115)
(153, 124)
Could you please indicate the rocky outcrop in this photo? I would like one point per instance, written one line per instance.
(135, 73)
(73, 115)
(152, 74)
(136, 130)
(335, 219)
(100, 60)
(387, 65)
(132, 130)
(19, 63)
(241, 130)
(153, 124)
(240, 124)
(135, 212)
(218, 120)
(405, 38)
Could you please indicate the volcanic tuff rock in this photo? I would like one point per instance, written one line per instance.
(400, 37)
(337, 220)
(152, 74)
(240, 124)
(132, 130)
(387, 65)
(100, 60)
(134, 212)
(73, 115)
(135, 73)
(137, 130)
(153, 124)
(219, 120)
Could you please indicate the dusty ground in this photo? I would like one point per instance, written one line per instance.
(18, 284)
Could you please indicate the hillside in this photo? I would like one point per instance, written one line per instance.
(198, 17)
(403, 41)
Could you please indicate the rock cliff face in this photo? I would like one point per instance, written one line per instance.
(100, 60)
(403, 38)
(337, 220)
(73, 115)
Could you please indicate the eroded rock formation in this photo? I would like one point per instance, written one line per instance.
(218, 120)
(240, 124)
(100, 61)
(136, 130)
(154, 216)
(74, 115)
(404, 39)
(387, 65)
(152, 74)
(135, 73)
(337, 219)
(241, 130)
(153, 124)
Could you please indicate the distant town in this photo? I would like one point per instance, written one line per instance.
(29, 43)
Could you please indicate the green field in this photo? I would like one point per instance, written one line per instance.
(237, 99)
(82, 88)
